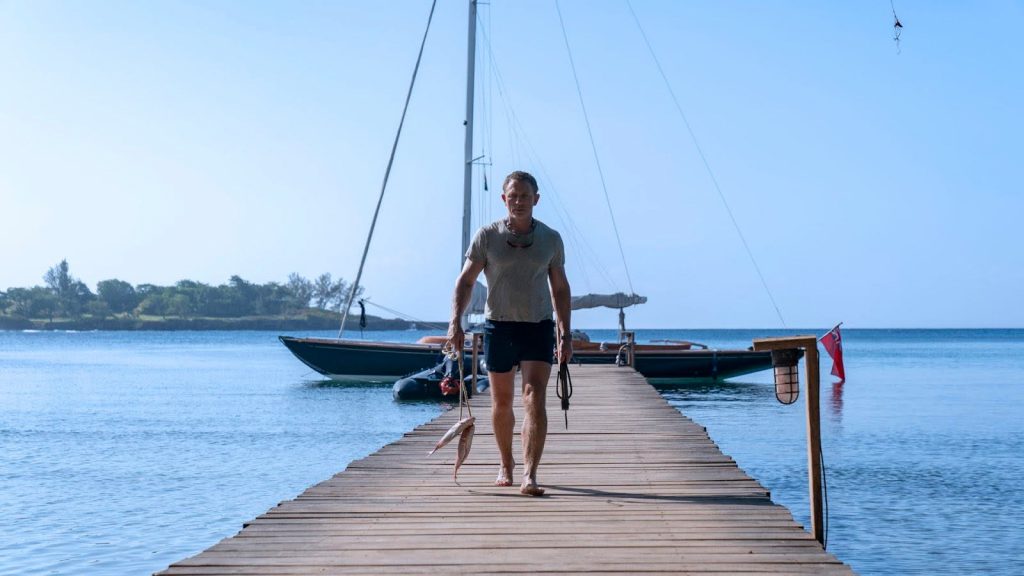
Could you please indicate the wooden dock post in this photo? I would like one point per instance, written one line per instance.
(809, 345)
(477, 346)
(629, 337)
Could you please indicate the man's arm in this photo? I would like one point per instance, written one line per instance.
(460, 301)
(561, 298)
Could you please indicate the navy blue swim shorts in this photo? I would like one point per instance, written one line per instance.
(508, 343)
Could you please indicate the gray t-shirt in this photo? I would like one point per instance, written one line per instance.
(517, 278)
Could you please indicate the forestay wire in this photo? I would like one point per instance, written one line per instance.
(593, 147)
(707, 166)
(387, 174)
(519, 139)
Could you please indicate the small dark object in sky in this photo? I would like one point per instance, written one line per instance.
(897, 27)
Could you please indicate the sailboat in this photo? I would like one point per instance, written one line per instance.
(367, 361)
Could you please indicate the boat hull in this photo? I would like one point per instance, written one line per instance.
(688, 364)
(363, 361)
(384, 362)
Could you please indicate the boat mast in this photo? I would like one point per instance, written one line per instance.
(467, 183)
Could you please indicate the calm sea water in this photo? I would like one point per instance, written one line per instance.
(123, 452)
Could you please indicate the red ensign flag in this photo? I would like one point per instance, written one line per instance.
(833, 342)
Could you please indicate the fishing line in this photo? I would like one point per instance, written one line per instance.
(593, 146)
(463, 393)
(707, 166)
(387, 172)
(824, 494)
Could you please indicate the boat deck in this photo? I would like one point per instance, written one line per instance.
(632, 486)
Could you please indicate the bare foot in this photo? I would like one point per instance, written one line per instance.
(529, 487)
(504, 477)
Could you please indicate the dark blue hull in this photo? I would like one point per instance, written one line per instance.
(363, 361)
(687, 364)
(385, 362)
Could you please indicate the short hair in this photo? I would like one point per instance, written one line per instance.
(520, 176)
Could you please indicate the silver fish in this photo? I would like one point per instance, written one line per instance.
(465, 442)
(452, 433)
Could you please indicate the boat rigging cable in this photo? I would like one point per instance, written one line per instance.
(593, 146)
(387, 174)
(402, 315)
(897, 27)
(707, 166)
(519, 139)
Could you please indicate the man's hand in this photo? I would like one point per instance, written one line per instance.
(456, 336)
(564, 350)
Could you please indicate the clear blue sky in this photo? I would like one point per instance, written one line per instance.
(159, 141)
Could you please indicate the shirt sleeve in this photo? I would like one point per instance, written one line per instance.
(477, 251)
(558, 258)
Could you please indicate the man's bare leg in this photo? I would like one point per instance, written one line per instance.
(535, 423)
(503, 419)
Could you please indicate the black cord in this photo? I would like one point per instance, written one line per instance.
(824, 493)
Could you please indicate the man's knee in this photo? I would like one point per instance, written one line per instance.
(534, 397)
(533, 390)
(502, 388)
(501, 402)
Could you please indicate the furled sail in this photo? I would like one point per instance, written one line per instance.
(617, 300)
(478, 301)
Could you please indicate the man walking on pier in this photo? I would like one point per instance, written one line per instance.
(524, 263)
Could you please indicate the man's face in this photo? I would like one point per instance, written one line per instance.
(520, 198)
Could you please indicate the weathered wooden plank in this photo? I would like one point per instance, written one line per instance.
(564, 568)
(633, 487)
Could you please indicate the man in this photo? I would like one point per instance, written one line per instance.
(524, 262)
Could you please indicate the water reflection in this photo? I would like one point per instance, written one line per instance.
(713, 390)
(356, 384)
(836, 402)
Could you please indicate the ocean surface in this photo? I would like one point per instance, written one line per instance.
(122, 452)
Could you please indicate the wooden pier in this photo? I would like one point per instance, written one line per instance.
(632, 486)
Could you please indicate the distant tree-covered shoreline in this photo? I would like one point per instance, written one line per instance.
(65, 302)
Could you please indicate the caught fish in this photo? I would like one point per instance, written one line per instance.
(452, 433)
(465, 442)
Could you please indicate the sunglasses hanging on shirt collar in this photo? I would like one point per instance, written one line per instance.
(516, 240)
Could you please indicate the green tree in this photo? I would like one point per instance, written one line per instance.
(81, 296)
(178, 304)
(341, 290)
(331, 294)
(300, 291)
(35, 302)
(72, 294)
(59, 280)
(4, 303)
(19, 301)
(198, 296)
(42, 303)
(118, 295)
(325, 291)
(275, 298)
(244, 296)
(98, 309)
(152, 300)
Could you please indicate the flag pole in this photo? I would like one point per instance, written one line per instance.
(830, 331)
